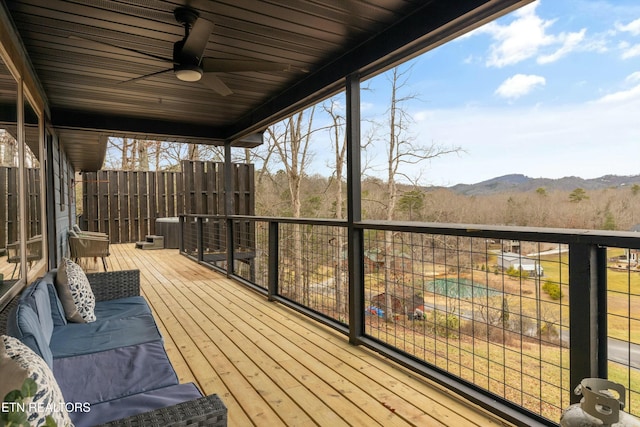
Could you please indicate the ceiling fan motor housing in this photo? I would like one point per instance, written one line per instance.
(186, 68)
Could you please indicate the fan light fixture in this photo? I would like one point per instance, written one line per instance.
(188, 73)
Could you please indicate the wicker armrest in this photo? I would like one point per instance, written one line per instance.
(205, 411)
(85, 246)
(115, 284)
(94, 234)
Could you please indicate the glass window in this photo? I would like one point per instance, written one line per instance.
(10, 248)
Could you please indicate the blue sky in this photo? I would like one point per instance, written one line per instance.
(550, 90)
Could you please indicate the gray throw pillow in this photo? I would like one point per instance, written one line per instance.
(75, 292)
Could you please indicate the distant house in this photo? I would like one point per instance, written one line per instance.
(508, 260)
(373, 261)
(630, 257)
(511, 246)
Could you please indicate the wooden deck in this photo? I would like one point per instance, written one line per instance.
(271, 365)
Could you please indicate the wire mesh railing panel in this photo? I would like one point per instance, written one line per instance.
(477, 309)
(252, 252)
(313, 268)
(190, 236)
(623, 322)
(214, 241)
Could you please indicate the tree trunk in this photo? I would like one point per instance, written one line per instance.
(143, 156)
(194, 152)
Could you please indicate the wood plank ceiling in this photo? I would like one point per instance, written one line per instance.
(84, 55)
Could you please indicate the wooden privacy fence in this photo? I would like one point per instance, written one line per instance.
(9, 221)
(126, 204)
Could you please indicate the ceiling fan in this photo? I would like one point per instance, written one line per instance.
(189, 65)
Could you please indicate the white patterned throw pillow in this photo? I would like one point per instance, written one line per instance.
(75, 292)
(48, 399)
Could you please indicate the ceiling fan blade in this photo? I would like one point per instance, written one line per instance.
(196, 42)
(214, 83)
(146, 76)
(239, 65)
(139, 52)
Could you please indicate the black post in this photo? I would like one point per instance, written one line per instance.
(603, 340)
(584, 313)
(199, 239)
(181, 220)
(274, 261)
(354, 211)
(52, 231)
(228, 205)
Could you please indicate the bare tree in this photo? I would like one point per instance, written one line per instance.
(290, 140)
(402, 150)
(338, 140)
(8, 149)
(143, 155)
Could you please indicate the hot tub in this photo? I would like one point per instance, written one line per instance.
(169, 228)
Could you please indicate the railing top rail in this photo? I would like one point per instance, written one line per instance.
(290, 220)
(626, 239)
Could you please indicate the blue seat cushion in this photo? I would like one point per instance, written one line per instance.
(23, 323)
(121, 308)
(75, 339)
(36, 296)
(57, 311)
(113, 374)
(135, 404)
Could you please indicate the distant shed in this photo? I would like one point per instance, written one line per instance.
(507, 260)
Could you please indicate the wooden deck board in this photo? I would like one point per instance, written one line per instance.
(273, 366)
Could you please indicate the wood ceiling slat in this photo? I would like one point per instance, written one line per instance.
(327, 37)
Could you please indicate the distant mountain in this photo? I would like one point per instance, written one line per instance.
(523, 183)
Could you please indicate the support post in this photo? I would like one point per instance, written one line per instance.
(274, 260)
(200, 238)
(50, 200)
(587, 282)
(603, 330)
(228, 206)
(181, 223)
(355, 240)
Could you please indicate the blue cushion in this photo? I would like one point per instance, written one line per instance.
(36, 296)
(116, 373)
(121, 308)
(57, 311)
(43, 308)
(23, 323)
(75, 339)
(135, 404)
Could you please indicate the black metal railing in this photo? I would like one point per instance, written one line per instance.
(513, 318)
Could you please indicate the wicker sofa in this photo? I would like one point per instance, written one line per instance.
(116, 366)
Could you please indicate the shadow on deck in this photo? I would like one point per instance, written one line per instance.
(271, 365)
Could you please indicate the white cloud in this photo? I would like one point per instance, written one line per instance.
(632, 27)
(569, 43)
(528, 36)
(633, 77)
(518, 40)
(519, 85)
(630, 51)
(621, 96)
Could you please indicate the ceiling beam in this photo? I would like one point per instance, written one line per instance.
(67, 118)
